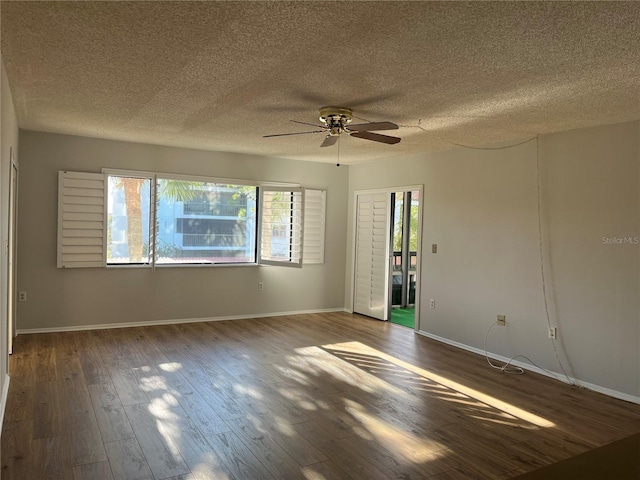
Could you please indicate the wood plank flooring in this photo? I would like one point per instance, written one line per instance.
(323, 396)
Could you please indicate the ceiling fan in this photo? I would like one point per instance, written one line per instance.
(337, 120)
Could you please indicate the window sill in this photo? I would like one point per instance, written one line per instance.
(184, 265)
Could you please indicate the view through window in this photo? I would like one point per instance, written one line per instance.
(196, 222)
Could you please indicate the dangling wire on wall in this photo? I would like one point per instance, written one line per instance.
(541, 249)
(507, 367)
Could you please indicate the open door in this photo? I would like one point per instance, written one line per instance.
(386, 278)
(371, 274)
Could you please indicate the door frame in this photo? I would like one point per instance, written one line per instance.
(11, 250)
(389, 190)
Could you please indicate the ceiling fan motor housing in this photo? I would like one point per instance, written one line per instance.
(336, 119)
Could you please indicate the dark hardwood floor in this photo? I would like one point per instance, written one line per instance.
(323, 396)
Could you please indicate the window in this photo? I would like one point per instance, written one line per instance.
(205, 222)
(141, 218)
(282, 226)
(128, 220)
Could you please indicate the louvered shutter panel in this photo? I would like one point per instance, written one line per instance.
(81, 220)
(314, 225)
(372, 258)
(153, 223)
(281, 226)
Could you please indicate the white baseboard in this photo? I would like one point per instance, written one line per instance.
(149, 323)
(527, 366)
(3, 400)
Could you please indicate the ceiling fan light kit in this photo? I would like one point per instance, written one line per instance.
(337, 120)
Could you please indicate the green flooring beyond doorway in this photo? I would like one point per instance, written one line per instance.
(404, 316)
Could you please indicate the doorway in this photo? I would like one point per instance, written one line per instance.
(387, 254)
(405, 214)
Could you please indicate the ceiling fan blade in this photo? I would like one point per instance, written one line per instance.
(376, 137)
(367, 127)
(295, 133)
(329, 140)
(305, 123)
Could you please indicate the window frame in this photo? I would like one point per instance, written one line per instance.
(151, 176)
(204, 180)
(296, 227)
(153, 219)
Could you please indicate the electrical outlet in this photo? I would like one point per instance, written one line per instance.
(502, 320)
(260, 286)
(553, 332)
(22, 296)
(434, 248)
(432, 303)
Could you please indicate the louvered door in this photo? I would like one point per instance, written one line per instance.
(372, 255)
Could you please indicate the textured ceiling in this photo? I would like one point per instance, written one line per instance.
(219, 75)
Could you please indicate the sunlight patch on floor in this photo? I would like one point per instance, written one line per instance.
(317, 361)
(310, 473)
(243, 390)
(395, 440)
(361, 349)
(207, 469)
(300, 398)
(170, 367)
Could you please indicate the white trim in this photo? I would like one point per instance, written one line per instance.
(3, 400)
(527, 366)
(195, 178)
(150, 323)
(405, 188)
(114, 172)
(400, 188)
(417, 301)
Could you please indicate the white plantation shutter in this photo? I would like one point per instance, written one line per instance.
(281, 226)
(81, 220)
(372, 259)
(314, 225)
(153, 223)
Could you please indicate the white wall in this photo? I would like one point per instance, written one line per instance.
(480, 207)
(8, 140)
(79, 297)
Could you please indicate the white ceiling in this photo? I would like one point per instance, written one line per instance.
(219, 75)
